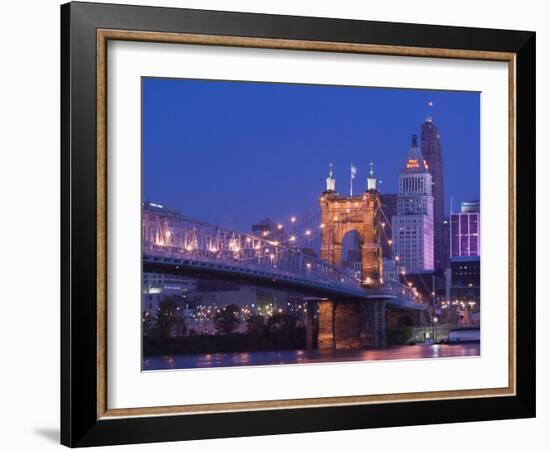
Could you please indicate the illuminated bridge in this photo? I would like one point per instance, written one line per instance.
(195, 248)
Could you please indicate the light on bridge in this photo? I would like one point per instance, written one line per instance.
(293, 219)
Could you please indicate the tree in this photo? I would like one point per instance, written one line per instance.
(255, 324)
(281, 323)
(148, 326)
(167, 316)
(227, 319)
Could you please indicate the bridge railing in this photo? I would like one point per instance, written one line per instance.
(268, 257)
(403, 291)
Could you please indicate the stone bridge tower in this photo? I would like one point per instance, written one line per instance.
(352, 324)
(342, 214)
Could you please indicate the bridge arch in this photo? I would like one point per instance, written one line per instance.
(351, 251)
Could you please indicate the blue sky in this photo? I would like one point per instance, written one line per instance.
(232, 153)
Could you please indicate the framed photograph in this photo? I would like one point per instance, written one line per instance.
(276, 224)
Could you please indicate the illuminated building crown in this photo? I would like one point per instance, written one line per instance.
(415, 162)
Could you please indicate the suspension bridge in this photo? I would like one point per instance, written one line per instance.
(185, 246)
(196, 248)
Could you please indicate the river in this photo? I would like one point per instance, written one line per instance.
(303, 357)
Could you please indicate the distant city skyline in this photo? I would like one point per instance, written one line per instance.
(235, 152)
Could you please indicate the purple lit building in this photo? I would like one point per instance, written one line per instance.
(465, 230)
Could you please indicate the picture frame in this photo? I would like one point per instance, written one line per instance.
(86, 418)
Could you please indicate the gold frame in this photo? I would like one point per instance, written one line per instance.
(103, 36)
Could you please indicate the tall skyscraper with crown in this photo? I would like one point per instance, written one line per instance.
(430, 146)
(413, 226)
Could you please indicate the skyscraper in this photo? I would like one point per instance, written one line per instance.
(430, 146)
(465, 229)
(412, 227)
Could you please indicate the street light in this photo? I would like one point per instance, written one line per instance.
(434, 329)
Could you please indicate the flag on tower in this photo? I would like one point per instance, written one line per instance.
(353, 172)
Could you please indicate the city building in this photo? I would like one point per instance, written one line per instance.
(388, 209)
(391, 271)
(465, 278)
(430, 145)
(462, 306)
(159, 286)
(351, 247)
(268, 229)
(412, 227)
(465, 230)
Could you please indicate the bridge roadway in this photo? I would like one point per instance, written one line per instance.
(316, 287)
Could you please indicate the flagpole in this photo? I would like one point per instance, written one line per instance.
(353, 171)
(351, 181)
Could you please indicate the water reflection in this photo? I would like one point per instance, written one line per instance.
(303, 357)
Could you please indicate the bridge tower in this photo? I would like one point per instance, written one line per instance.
(350, 324)
(342, 214)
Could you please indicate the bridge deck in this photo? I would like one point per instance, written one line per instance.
(278, 278)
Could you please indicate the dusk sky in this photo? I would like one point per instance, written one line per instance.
(232, 153)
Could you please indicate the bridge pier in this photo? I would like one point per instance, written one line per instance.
(347, 325)
(325, 336)
(351, 324)
(309, 326)
(373, 316)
